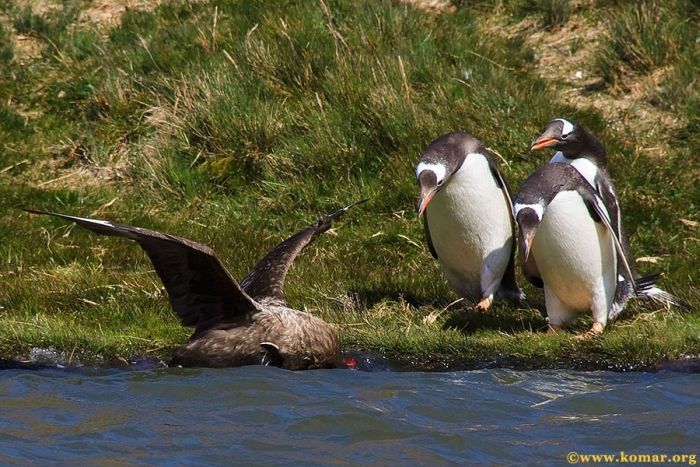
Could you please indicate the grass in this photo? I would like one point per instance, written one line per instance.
(6, 48)
(656, 41)
(546, 13)
(647, 35)
(237, 123)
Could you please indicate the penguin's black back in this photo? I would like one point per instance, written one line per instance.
(548, 180)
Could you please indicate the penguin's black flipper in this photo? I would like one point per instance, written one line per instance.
(599, 214)
(428, 240)
(509, 286)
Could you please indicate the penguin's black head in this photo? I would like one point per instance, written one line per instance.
(441, 159)
(429, 185)
(573, 140)
(528, 218)
(562, 135)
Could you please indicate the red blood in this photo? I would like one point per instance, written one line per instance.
(350, 362)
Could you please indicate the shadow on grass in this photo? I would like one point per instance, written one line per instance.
(368, 297)
(505, 316)
(501, 317)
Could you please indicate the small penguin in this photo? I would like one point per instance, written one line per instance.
(468, 219)
(577, 146)
(566, 233)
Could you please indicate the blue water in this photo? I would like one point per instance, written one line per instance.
(257, 415)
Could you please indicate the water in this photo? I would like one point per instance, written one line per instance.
(256, 415)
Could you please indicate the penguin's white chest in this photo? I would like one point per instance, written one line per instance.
(584, 166)
(574, 254)
(470, 221)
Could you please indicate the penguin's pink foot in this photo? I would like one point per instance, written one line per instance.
(485, 304)
(596, 330)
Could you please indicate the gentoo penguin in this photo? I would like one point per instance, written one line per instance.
(577, 146)
(468, 218)
(565, 228)
(234, 324)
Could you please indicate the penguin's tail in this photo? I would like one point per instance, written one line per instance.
(646, 289)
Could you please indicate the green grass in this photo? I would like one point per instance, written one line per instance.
(237, 123)
(645, 36)
(548, 13)
(6, 47)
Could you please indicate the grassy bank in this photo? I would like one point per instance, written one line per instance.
(237, 123)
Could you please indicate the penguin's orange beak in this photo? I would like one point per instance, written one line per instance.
(425, 197)
(543, 142)
(528, 236)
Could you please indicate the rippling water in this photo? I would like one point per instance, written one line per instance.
(266, 415)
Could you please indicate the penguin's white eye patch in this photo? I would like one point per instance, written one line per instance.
(538, 208)
(567, 127)
(438, 169)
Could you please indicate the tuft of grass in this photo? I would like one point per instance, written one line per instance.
(238, 123)
(549, 13)
(552, 13)
(27, 22)
(643, 36)
(6, 47)
(677, 92)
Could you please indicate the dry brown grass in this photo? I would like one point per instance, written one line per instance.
(108, 13)
(563, 58)
(438, 6)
